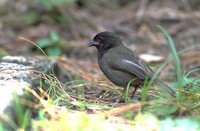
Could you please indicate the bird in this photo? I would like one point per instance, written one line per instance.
(120, 64)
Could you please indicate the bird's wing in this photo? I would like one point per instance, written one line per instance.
(131, 67)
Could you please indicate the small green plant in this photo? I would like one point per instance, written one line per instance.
(50, 4)
(2, 52)
(51, 45)
(17, 116)
(32, 18)
(176, 57)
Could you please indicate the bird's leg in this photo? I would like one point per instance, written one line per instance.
(134, 92)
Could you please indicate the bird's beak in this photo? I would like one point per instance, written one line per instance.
(93, 43)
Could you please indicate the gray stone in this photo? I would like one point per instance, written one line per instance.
(17, 73)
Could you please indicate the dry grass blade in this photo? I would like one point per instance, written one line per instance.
(121, 109)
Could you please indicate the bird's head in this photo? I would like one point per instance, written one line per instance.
(105, 40)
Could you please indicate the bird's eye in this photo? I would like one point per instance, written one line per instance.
(100, 38)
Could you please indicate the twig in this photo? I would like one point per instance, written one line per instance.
(121, 109)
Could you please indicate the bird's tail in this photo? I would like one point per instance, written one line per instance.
(166, 88)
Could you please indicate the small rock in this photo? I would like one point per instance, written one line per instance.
(151, 58)
(17, 73)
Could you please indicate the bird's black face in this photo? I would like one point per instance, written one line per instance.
(105, 40)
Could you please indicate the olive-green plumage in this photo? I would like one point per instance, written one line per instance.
(119, 64)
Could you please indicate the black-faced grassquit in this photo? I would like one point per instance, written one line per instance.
(120, 65)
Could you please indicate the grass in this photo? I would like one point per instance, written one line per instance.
(81, 105)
